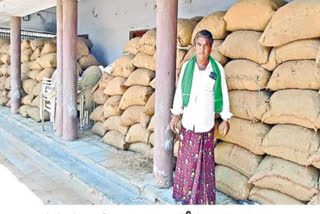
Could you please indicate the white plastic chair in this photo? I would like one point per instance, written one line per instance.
(48, 100)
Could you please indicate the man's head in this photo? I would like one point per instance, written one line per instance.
(203, 44)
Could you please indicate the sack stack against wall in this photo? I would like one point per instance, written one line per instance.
(4, 71)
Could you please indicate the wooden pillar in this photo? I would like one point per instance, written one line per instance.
(166, 67)
(59, 75)
(70, 121)
(15, 67)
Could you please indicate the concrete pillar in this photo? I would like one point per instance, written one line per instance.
(59, 75)
(166, 67)
(70, 121)
(15, 68)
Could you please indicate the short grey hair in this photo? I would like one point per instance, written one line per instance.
(204, 33)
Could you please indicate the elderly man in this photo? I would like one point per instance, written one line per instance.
(200, 94)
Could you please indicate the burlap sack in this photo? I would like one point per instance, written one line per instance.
(23, 110)
(147, 43)
(98, 129)
(295, 74)
(251, 14)
(3, 41)
(151, 124)
(179, 58)
(246, 135)
(237, 158)
(113, 123)
(269, 196)
(34, 65)
(153, 83)
(88, 42)
(5, 49)
(87, 61)
(184, 31)
(25, 44)
(297, 50)
(111, 107)
(248, 105)
(27, 100)
(149, 107)
(99, 97)
(315, 200)
(142, 60)
(137, 134)
(25, 55)
(34, 113)
(4, 100)
(97, 114)
(315, 159)
(8, 83)
(116, 139)
(4, 70)
(140, 76)
(37, 89)
(49, 47)
(234, 47)
(82, 49)
(135, 95)
(142, 148)
(90, 77)
(287, 177)
(291, 142)
(151, 139)
(79, 69)
(24, 70)
(105, 79)
(294, 106)
(115, 86)
(131, 115)
(3, 80)
(132, 47)
(232, 183)
(45, 73)
(48, 60)
(33, 74)
(35, 54)
(28, 85)
(295, 21)
(36, 102)
(5, 59)
(214, 23)
(37, 43)
(123, 66)
(144, 119)
(245, 74)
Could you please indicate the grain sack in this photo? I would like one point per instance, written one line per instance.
(213, 23)
(87, 61)
(251, 14)
(137, 134)
(25, 44)
(99, 97)
(115, 86)
(140, 76)
(37, 89)
(294, 106)
(300, 74)
(131, 115)
(291, 142)
(149, 107)
(232, 183)
(287, 177)
(3, 80)
(151, 139)
(135, 95)
(315, 159)
(142, 60)
(248, 105)
(5, 49)
(269, 196)
(179, 58)
(37, 43)
(90, 77)
(245, 74)
(234, 47)
(297, 50)
(246, 135)
(142, 148)
(111, 107)
(237, 158)
(45, 73)
(315, 200)
(88, 42)
(8, 83)
(184, 31)
(105, 79)
(113, 123)
(27, 100)
(49, 47)
(132, 47)
(23, 110)
(295, 21)
(79, 69)
(34, 65)
(151, 124)
(4, 70)
(5, 59)
(34, 113)
(3, 42)
(144, 119)
(98, 129)
(48, 60)
(35, 54)
(153, 83)
(4, 100)
(123, 66)
(36, 102)
(97, 114)
(116, 139)
(28, 85)
(33, 74)
(24, 70)
(82, 49)
(25, 55)
(147, 43)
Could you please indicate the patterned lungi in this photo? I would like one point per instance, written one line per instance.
(194, 181)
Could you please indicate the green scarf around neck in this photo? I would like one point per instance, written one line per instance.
(186, 84)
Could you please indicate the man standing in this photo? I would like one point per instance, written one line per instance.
(200, 94)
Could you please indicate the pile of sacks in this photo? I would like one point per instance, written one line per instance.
(125, 98)
(4, 71)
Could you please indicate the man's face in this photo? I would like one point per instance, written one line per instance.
(203, 48)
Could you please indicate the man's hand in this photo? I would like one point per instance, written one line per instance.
(173, 123)
(224, 128)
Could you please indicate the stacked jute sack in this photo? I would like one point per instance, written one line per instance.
(125, 98)
(271, 153)
(4, 71)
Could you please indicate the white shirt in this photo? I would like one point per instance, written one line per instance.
(199, 115)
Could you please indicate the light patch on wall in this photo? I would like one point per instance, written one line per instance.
(184, 2)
